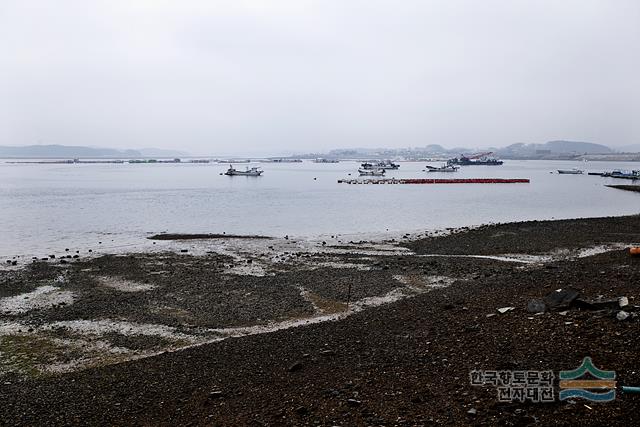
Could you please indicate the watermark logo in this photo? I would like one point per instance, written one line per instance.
(573, 384)
(534, 386)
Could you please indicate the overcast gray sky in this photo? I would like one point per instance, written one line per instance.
(240, 76)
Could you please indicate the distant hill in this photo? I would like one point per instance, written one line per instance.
(635, 148)
(161, 152)
(552, 149)
(70, 151)
(577, 147)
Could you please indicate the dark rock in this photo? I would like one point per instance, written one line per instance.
(184, 250)
(301, 410)
(608, 304)
(536, 306)
(561, 298)
(296, 366)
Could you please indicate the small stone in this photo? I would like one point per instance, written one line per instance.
(184, 250)
(622, 315)
(536, 306)
(216, 394)
(623, 301)
(505, 309)
(328, 353)
(353, 402)
(296, 366)
(472, 411)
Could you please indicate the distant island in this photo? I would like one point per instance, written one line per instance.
(71, 151)
(552, 150)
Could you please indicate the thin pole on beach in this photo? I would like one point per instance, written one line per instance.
(348, 295)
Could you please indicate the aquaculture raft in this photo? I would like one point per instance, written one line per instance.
(435, 181)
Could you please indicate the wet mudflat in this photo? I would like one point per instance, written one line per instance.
(140, 339)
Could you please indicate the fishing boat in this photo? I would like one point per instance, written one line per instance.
(479, 159)
(443, 168)
(574, 171)
(248, 172)
(385, 164)
(371, 172)
(624, 174)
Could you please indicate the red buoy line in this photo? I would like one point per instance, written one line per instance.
(435, 181)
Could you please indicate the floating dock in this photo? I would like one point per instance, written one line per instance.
(435, 181)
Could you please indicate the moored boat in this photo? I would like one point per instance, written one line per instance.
(480, 159)
(371, 172)
(248, 172)
(385, 164)
(443, 168)
(574, 171)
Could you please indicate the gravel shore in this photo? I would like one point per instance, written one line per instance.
(172, 339)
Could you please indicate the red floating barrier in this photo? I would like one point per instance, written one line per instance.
(437, 181)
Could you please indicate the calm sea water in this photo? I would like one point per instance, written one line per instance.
(44, 208)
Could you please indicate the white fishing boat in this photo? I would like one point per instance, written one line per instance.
(371, 172)
(248, 172)
(574, 171)
(443, 168)
(385, 164)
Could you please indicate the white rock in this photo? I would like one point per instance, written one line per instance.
(622, 315)
(505, 309)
